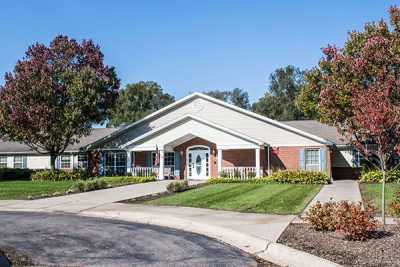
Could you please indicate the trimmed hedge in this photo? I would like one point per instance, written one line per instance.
(281, 177)
(375, 176)
(7, 174)
(124, 180)
(89, 185)
(59, 175)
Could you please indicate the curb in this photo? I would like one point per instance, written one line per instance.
(268, 250)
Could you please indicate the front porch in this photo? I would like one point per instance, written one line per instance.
(199, 159)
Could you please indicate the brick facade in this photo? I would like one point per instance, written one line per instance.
(181, 149)
(140, 159)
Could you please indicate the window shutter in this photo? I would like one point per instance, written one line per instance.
(58, 162)
(24, 162)
(148, 159)
(302, 162)
(177, 161)
(322, 159)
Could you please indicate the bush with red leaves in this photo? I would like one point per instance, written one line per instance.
(354, 222)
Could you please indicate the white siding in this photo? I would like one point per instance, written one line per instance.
(221, 115)
(200, 130)
(38, 162)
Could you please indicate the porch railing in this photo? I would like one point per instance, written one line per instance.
(145, 171)
(242, 173)
(153, 171)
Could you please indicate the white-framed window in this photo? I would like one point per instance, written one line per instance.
(20, 162)
(82, 161)
(169, 159)
(3, 161)
(115, 163)
(312, 159)
(65, 162)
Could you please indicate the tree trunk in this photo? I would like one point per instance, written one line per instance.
(53, 157)
(383, 196)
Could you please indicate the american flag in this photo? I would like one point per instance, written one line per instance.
(157, 159)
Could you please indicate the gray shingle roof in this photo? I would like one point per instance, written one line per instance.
(327, 132)
(96, 134)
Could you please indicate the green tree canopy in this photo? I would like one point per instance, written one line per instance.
(279, 101)
(138, 100)
(237, 97)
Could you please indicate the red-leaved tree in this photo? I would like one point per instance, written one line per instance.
(360, 92)
(55, 94)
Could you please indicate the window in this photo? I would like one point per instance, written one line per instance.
(312, 159)
(169, 159)
(82, 161)
(3, 161)
(65, 162)
(20, 162)
(115, 163)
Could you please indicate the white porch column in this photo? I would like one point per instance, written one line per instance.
(219, 161)
(161, 170)
(258, 171)
(128, 162)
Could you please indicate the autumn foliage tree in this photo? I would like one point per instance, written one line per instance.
(360, 92)
(55, 94)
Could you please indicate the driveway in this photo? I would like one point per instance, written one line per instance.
(60, 239)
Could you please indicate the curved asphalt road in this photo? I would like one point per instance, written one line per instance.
(59, 239)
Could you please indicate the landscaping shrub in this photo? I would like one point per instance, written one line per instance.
(177, 186)
(348, 218)
(59, 175)
(89, 185)
(375, 176)
(395, 205)
(124, 180)
(355, 222)
(15, 174)
(280, 177)
(298, 177)
(322, 216)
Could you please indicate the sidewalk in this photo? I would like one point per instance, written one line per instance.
(79, 202)
(337, 191)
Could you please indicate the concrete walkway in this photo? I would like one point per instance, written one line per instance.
(76, 203)
(337, 191)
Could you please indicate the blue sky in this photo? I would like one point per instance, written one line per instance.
(186, 45)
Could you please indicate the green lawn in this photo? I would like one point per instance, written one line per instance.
(260, 198)
(23, 189)
(373, 193)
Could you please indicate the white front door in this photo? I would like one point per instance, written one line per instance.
(198, 163)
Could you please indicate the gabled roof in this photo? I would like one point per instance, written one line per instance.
(317, 128)
(192, 117)
(219, 102)
(96, 134)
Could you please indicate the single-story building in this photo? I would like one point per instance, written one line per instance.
(199, 137)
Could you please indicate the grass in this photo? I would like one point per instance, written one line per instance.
(23, 189)
(372, 193)
(259, 198)
(115, 181)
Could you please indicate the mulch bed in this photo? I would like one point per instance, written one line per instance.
(15, 258)
(383, 249)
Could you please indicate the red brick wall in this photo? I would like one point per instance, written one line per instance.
(239, 157)
(287, 158)
(181, 149)
(140, 159)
